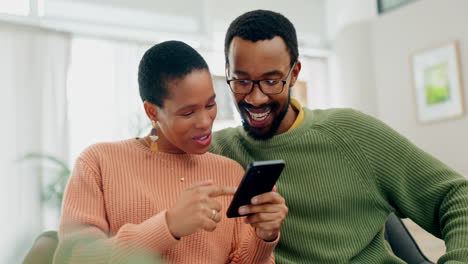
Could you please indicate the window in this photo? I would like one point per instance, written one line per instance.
(104, 104)
(15, 7)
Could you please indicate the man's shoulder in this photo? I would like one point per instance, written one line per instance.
(348, 125)
(321, 116)
(229, 132)
(223, 136)
(340, 118)
(226, 141)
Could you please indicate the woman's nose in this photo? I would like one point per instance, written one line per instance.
(205, 121)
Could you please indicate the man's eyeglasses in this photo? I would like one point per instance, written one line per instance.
(268, 87)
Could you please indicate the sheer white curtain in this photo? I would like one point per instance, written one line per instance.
(103, 92)
(33, 118)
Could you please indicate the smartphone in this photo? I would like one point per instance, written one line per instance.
(260, 177)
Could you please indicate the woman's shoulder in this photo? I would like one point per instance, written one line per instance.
(105, 149)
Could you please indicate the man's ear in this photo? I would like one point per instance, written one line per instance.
(226, 70)
(295, 73)
(151, 110)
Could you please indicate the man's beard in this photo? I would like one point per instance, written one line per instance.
(274, 125)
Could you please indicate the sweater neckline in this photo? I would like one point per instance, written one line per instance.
(140, 146)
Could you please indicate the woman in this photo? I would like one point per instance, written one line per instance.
(164, 194)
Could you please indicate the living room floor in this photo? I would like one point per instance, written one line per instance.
(430, 245)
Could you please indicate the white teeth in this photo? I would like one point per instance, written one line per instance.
(259, 116)
(203, 138)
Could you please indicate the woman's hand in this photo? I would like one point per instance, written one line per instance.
(196, 209)
(269, 211)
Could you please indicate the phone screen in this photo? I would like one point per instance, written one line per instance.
(260, 177)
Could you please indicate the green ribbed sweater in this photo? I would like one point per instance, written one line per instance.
(345, 172)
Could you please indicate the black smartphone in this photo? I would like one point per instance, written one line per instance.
(260, 177)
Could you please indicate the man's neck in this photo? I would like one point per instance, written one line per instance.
(288, 120)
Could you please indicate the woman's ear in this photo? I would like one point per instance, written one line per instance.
(151, 111)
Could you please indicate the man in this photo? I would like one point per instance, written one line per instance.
(345, 171)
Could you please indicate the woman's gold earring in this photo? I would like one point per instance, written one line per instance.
(154, 137)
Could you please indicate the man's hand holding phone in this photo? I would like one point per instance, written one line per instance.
(257, 199)
(268, 211)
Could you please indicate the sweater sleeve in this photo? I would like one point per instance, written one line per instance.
(248, 248)
(84, 230)
(412, 182)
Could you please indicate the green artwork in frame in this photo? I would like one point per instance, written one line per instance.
(438, 83)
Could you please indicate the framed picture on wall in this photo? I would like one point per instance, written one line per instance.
(438, 83)
(384, 6)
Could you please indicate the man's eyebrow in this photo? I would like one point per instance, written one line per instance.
(266, 74)
(274, 72)
(238, 72)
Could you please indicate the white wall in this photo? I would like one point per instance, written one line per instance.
(353, 83)
(396, 36)
(351, 72)
(340, 13)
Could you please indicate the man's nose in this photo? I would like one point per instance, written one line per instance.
(256, 97)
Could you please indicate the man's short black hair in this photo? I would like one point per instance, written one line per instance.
(165, 62)
(263, 25)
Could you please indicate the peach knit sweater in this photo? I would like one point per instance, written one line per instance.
(117, 197)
